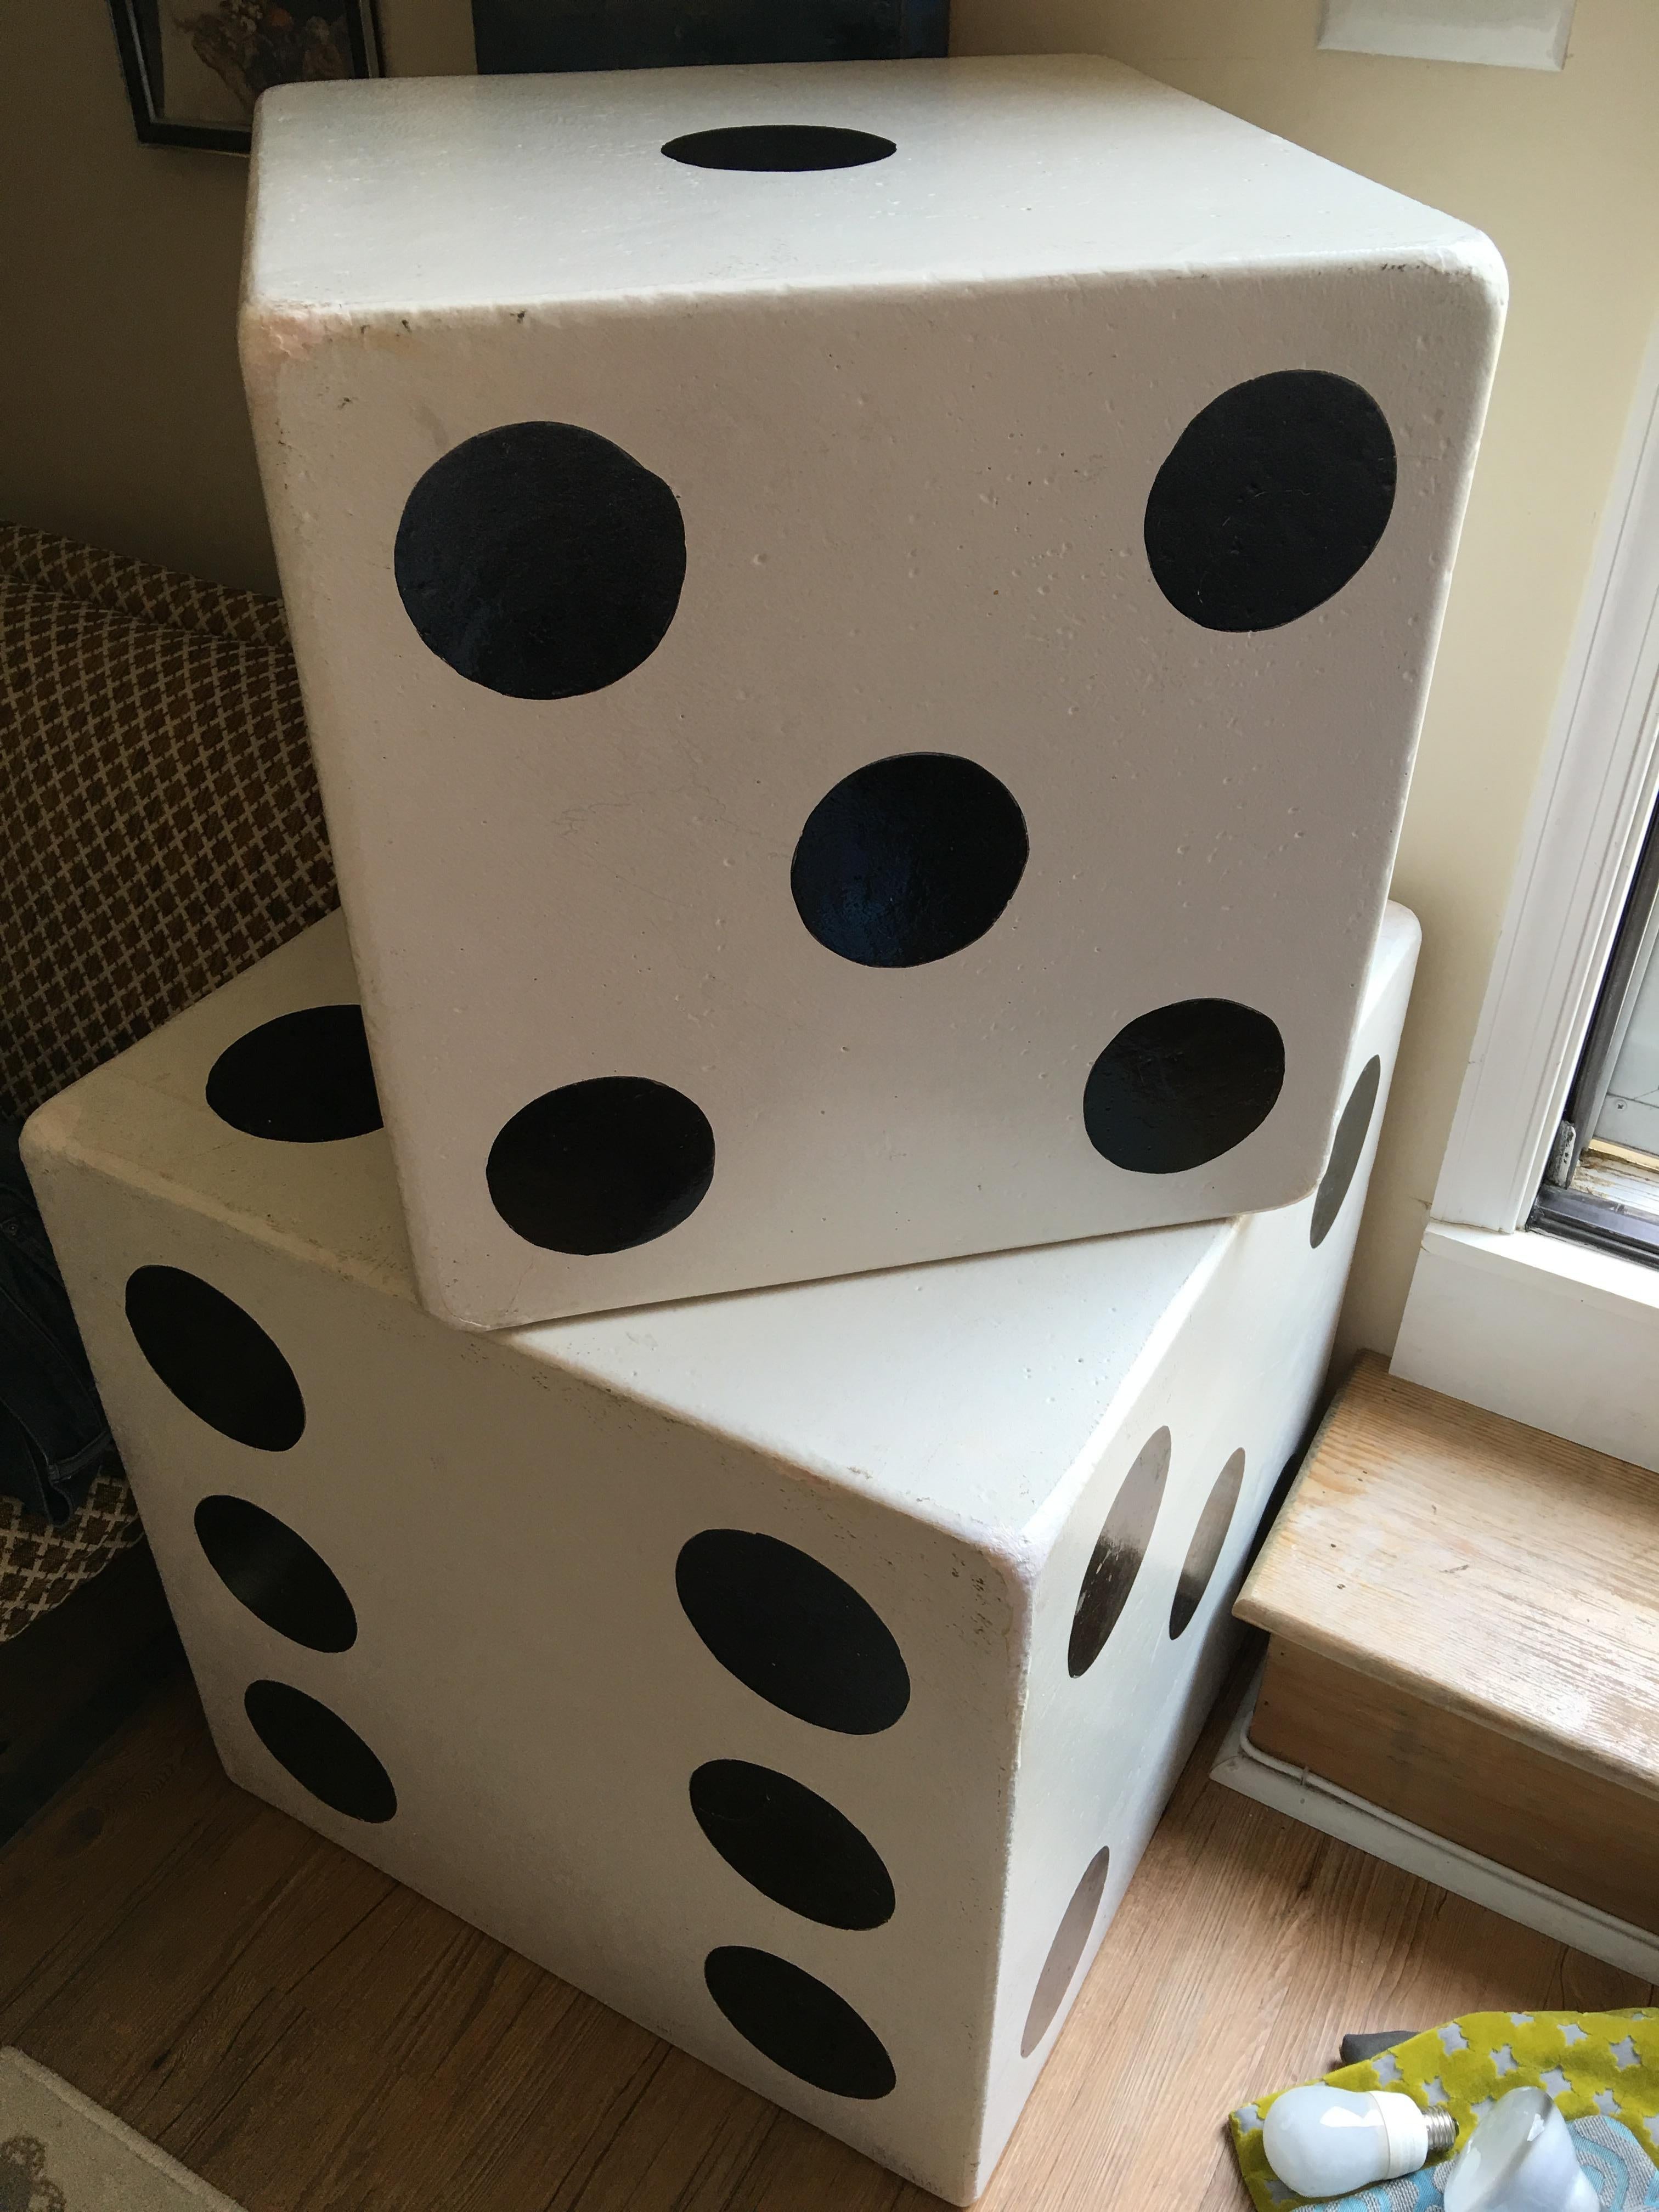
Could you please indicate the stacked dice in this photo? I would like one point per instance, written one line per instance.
(864, 628)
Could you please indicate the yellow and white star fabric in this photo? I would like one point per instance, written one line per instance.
(1594, 2064)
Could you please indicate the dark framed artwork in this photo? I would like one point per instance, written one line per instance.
(194, 68)
(513, 35)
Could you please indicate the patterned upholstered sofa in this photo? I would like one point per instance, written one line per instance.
(163, 832)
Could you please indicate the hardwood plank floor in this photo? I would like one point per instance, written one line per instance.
(311, 2037)
(73, 1677)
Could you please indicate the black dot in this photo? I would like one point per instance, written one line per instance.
(794, 1846)
(275, 1574)
(792, 1630)
(303, 1079)
(908, 859)
(540, 561)
(1346, 1147)
(1209, 1538)
(1118, 1554)
(1271, 499)
(798, 2022)
(1182, 1084)
(776, 146)
(214, 1358)
(601, 1166)
(320, 1751)
(1067, 1947)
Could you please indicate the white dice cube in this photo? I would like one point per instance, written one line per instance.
(864, 709)
(800, 1671)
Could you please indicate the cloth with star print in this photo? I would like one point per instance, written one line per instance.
(1602, 2069)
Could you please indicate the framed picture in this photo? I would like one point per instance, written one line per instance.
(597, 34)
(442, 37)
(194, 68)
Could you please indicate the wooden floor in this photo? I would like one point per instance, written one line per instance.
(71, 1679)
(305, 2034)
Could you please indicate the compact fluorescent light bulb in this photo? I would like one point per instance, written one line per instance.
(1520, 2159)
(1325, 2141)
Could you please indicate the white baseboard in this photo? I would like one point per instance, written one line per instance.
(1320, 1804)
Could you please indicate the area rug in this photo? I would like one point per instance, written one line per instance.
(61, 2153)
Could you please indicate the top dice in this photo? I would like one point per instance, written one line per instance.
(864, 628)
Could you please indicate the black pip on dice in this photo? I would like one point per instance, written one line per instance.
(800, 1671)
(865, 629)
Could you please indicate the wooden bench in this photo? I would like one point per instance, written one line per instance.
(1464, 1616)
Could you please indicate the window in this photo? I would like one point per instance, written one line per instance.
(1601, 1182)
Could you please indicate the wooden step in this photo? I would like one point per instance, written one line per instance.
(1465, 1623)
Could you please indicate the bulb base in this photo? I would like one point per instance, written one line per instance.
(1442, 2129)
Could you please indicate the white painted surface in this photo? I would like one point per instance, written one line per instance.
(1552, 1333)
(1506, 33)
(1245, 1370)
(473, 199)
(1320, 1804)
(911, 413)
(1595, 795)
(505, 1513)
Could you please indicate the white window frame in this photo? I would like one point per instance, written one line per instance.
(1551, 1333)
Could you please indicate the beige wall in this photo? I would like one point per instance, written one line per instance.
(121, 416)
(1562, 172)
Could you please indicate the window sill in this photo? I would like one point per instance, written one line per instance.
(1557, 1335)
(1586, 1217)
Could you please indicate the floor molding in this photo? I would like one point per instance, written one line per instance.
(1320, 1804)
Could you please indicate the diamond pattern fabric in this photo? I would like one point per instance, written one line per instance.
(164, 833)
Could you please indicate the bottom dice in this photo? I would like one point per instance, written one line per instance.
(800, 1671)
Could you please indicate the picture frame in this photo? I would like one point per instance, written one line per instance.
(443, 38)
(511, 36)
(194, 68)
